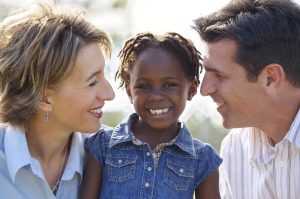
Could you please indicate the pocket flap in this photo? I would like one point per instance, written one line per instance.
(181, 170)
(120, 161)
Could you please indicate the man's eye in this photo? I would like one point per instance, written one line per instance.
(219, 76)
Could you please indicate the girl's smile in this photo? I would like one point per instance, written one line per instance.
(159, 111)
(159, 88)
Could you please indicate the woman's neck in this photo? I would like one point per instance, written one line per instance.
(51, 147)
(46, 143)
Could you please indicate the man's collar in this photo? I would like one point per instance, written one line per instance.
(293, 135)
(260, 150)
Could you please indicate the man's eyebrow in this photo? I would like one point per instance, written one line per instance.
(210, 69)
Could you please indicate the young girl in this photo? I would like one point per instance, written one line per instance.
(151, 154)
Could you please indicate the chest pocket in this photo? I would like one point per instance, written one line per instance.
(178, 176)
(120, 168)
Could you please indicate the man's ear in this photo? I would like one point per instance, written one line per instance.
(128, 91)
(44, 103)
(273, 75)
(192, 90)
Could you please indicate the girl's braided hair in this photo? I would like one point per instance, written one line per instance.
(180, 47)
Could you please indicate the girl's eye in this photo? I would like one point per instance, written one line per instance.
(169, 85)
(143, 86)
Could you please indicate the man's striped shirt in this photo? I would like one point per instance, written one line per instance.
(252, 169)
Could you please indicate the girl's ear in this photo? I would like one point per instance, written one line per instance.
(44, 103)
(192, 90)
(128, 91)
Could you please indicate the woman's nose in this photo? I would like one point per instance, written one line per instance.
(106, 92)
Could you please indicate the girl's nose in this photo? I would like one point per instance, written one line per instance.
(155, 94)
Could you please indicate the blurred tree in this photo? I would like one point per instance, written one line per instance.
(203, 128)
(120, 4)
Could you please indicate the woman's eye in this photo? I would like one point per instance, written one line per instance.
(93, 83)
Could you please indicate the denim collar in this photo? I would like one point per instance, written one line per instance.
(121, 134)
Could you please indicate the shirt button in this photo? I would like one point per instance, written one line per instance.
(181, 170)
(148, 154)
(281, 163)
(147, 184)
(120, 161)
(149, 168)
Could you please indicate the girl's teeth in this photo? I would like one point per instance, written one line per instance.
(158, 111)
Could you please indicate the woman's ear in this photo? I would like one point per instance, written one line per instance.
(192, 90)
(44, 103)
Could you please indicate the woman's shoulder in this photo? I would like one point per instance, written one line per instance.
(2, 135)
(3, 128)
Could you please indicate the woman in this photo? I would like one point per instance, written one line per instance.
(52, 87)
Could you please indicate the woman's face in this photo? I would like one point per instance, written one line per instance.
(77, 102)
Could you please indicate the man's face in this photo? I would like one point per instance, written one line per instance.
(225, 81)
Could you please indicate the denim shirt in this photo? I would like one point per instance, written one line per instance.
(129, 171)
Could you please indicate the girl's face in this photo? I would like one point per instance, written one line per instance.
(77, 102)
(159, 88)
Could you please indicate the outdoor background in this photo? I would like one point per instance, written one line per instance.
(123, 19)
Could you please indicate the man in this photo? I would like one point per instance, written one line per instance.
(252, 64)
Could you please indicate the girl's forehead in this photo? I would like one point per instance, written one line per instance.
(156, 55)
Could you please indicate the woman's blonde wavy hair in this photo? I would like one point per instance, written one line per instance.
(38, 49)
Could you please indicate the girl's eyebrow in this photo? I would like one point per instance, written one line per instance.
(92, 75)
